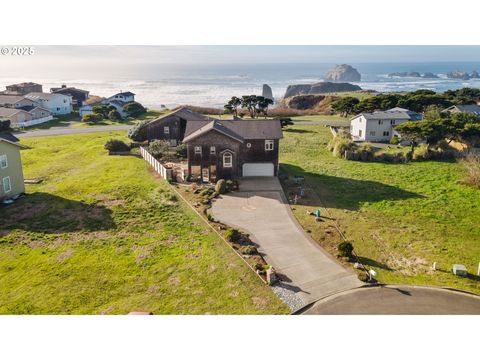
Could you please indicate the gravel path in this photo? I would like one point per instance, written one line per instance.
(288, 296)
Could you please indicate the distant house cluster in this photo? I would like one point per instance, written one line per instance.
(26, 104)
(118, 101)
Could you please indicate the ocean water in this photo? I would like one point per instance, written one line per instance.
(213, 85)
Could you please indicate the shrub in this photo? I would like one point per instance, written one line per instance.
(340, 143)
(395, 140)
(233, 235)
(362, 276)
(158, 148)
(92, 118)
(116, 145)
(137, 132)
(134, 109)
(249, 250)
(5, 125)
(472, 165)
(365, 152)
(258, 266)
(220, 186)
(421, 152)
(181, 150)
(345, 248)
(114, 115)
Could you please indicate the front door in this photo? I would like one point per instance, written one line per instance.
(205, 175)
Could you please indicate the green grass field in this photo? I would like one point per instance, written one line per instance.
(103, 235)
(73, 120)
(400, 217)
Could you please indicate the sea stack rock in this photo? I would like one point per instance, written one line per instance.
(267, 92)
(458, 75)
(475, 74)
(341, 73)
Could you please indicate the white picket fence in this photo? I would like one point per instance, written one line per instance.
(33, 122)
(157, 166)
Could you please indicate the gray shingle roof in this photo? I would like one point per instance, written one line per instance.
(474, 109)
(392, 114)
(238, 129)
(10, 99)
(183, 113)
(5, 135)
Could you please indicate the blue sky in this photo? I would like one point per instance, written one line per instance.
(235, 54)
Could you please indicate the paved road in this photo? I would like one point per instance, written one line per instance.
(260, 209)
(397, 300)
(54, 131)
(322, 122)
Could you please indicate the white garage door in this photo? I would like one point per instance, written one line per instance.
(258, 169)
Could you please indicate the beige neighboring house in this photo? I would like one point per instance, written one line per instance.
(15, 102)
(11, 172)
(26, 116)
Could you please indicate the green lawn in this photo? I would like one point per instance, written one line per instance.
(73, 120)
(400, 217)
(103, 235)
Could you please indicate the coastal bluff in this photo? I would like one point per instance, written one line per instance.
(319, 88)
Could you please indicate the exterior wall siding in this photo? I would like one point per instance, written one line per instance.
(174, 123)
(13, 170)
(242, 153)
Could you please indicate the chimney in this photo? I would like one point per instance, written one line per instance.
(64, 86)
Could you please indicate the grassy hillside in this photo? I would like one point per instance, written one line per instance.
(400, 217)
(102, 235)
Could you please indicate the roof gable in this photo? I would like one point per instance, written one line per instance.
(214, 125)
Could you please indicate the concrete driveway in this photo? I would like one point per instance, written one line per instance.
(260, 208)
(398, 300)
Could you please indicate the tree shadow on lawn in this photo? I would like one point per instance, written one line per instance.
(344, 193)
(47, 213)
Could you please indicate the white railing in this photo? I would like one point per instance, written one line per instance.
(33, 122)
(156, 165)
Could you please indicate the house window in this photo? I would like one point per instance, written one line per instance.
(7, 186)
(380, 122)
(268, 145)
(3, 161)
(386, 133)
(392, 122)
(198, 149)
(166, 130)
(212, 150)
(372, 133)
(58, 109)
(249, 145)
(227, 160)
(359, 132)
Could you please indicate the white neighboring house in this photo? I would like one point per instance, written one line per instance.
(57, 104)
(379, 126)
(117, 101)
(123, 97)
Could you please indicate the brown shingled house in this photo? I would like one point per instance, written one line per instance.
(221, 149)
(228, 149)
